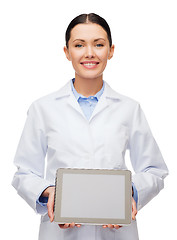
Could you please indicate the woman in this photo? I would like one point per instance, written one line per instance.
(86, 124)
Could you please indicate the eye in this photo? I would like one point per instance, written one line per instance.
(99, 45)
(78, 45)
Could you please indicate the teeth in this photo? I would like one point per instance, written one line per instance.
(89, 64)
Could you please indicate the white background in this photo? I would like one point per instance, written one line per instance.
(144, 67)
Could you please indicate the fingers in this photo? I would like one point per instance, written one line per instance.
(117, 226)
(69, 225)
(111, 226)
(134, 209)
(78, 225)
(105, 226)
(64, 226)
(50, 206)
(72, 225)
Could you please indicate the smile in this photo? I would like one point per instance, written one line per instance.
(90, 65)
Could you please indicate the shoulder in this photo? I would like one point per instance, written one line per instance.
(120, 98)
(48, 100)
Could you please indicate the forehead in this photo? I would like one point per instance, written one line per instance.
(88, 31)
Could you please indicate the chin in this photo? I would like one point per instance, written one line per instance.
(89, 75)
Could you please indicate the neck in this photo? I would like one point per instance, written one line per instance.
(88, 87)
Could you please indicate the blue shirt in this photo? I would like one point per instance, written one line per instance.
(87, 105)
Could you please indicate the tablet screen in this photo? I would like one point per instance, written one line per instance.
(88, 195)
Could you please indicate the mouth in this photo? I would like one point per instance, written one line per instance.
(90, 64)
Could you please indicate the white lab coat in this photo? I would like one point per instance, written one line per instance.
(57, 127)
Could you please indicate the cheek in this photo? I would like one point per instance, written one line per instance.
(76, 55)
(103, 55)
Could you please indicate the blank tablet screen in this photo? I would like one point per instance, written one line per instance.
(90, 189)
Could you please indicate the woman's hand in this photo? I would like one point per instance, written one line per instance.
(69, 225)
(134, 209)
(112, 226)
(134, 212)
(50, 193)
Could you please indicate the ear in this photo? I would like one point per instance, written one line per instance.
(66, 51)
(111, 52)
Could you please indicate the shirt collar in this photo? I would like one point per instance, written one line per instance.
(78, 95)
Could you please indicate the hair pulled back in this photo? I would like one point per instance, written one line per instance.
(88, 18)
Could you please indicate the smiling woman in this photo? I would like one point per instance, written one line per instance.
(88, 47)
(86, 124)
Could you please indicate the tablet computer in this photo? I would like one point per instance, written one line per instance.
(93, 196)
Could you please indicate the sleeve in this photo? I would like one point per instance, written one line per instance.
(30, 161)
(147, 161)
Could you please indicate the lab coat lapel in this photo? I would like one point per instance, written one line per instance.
(66, 91)
(100, 106)
(104, 102)
(74, 104)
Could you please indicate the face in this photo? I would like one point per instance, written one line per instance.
(88, 50)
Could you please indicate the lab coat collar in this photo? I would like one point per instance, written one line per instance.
(103, 102)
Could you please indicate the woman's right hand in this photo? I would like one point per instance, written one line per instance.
(69, 225)
(50, 193)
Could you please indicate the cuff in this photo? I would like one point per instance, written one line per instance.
(41, 203)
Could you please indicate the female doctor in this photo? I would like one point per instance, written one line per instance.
(86, 124)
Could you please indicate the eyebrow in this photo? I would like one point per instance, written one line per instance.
(81, 40)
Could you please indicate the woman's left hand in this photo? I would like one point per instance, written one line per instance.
(134, 212)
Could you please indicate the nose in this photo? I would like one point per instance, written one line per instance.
(89, 52)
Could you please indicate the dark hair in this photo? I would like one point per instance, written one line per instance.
(86, 18)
